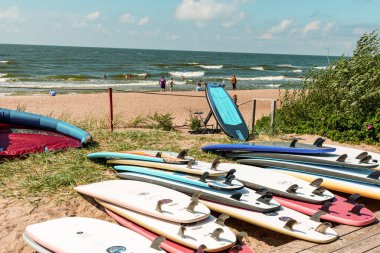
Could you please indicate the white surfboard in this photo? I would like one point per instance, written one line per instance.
(35, 245)
(278, 183)
(244, 198)
(364, 176)
(353, 152)
(194, 167)
(338, 160)
(149, 199)
(284, 220)
(214, 236)
(78, 234)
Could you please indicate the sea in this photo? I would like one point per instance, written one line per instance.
(29, 68)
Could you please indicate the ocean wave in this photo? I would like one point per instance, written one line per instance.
(211, 66)
(297, 70)
(286, 66)
(320, 67)
(188, 74)
(3, 75)
(258, 68)
(272, 85)
(4, 62)
(192, 63)
(267, 78)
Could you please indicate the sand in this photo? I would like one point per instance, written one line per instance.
(16, 214)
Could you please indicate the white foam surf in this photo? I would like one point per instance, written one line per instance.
(211, 66)
(188, 74)
(320, 67)
(4, 62)
(268, 78)
(258, 68)
(297, 70)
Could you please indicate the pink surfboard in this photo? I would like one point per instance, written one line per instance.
(168, 245)
(341, 210)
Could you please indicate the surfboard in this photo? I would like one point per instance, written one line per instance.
(279, 184)
(244, 198)
(342, 160)
(355, 152)
(78, 234)
(210, 232)
(226, 112)
(171, 246)
(181, 157)
(340, 210)
(35, 245)
(219, 183)
(147, 198)
(336, 184)
(130, 156)
(274, 147)
(193, 167)
(283, 220)
(355, 175)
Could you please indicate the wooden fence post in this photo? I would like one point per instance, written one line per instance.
(273, 114)
(253, 116)
(111, 108)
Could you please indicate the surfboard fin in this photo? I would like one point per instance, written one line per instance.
(196, 196)
(191, 206)
(352, 198)
(216, 234)
(157, 242)
(240, 237)
(319, 190)
(182, 154)
(319, 142)
(322, 228)
(374, 175)
(236, 195)
(356, 209)
(293, 188)
(266, 198)
(290, 223)
(366, 159)
(201, 249)
(221, 219)
(159, 154)
(361, 155)
(342, 158)
(181, 231)
(190, 163)
(317, 182)
(293, 143)
(262, 191)
(230, 172)
(215, 164)
(326, 206)
(317, 216)
(160, 203)
(204, 177)
(229, 179)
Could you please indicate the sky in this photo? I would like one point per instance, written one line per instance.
(311, 27)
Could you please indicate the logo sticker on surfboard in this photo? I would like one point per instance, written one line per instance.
(116, 249)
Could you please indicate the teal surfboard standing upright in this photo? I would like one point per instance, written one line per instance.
(226, 112)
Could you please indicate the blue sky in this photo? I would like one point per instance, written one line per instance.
(257, 26)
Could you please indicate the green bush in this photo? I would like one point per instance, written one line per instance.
(161, 121)
(341, 102)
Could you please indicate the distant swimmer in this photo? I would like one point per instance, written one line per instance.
(162, 83)
(105, 76)
(171, 84)
(128, 76)
(199, 86)
(52, 93)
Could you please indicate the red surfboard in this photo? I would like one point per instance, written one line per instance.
(340, 210)
(168, 245)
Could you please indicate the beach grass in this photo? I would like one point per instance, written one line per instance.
(57, 173)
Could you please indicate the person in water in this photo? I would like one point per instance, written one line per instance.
(52, 93)
(233, 82)
(199, 86)
(162, 83)
(105, 76)
(171, 84)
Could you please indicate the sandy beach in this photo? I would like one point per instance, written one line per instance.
(19, 212)
(128, 106)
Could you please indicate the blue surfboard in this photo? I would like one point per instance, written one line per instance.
(275, 147)
(226, 112)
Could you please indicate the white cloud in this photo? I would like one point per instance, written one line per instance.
(172, 37)
(127, 18)
(312, 26)
(78, 24)
(93, 16)
(206, 10)
(11, 14)
(143, 21)
(281, 27)
(329, 27)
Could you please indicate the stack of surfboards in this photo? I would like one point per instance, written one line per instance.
(343, 169)
(223, 193)
(163, 211)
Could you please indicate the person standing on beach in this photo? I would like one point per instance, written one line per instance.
(162, 83)
(171, 84)
(233, 82)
